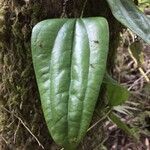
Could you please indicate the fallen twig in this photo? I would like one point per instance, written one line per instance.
(25, 127)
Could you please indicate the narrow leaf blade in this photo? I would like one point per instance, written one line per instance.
(129, 15)
(131, 132)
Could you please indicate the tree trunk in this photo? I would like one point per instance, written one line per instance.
(22, 125)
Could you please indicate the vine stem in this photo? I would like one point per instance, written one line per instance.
(83, 8)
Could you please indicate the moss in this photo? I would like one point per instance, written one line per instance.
(19, 91)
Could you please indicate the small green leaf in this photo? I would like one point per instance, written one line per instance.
(129, 15)
(131, 132)
(136, 49)
(116, 94)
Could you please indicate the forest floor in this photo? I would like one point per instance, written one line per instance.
(132, 70)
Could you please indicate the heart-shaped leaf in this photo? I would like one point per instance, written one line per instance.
(69, 57)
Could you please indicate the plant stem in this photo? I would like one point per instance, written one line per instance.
(82, 12)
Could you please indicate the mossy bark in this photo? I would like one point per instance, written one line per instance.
(20, 104)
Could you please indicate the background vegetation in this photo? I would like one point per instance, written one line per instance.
(22, 125)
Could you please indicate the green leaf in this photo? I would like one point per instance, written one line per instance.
(69, 58)
(129, 15)
(131, 132)
(144, 1)
(116, 94)
(136, 49)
